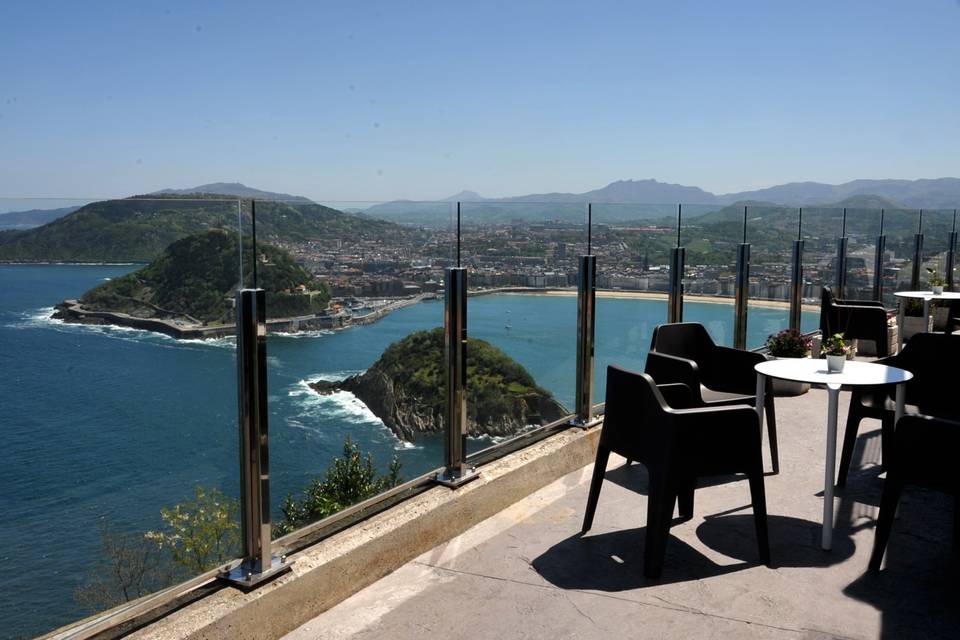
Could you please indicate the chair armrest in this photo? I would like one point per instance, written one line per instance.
(677, 395)
(860, 303)
(666, 369)
(864, 308)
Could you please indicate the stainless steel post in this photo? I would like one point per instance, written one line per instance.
(951, 258)
(675, 295)
(841, 275)
(741, 293)
(259, 563)
(917, 261)
(586, 323)
(796, 283)
(456, 471)
(878, 268)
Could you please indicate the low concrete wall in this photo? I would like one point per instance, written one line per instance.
(341, 565)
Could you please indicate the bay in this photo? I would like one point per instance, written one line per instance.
(109, 425)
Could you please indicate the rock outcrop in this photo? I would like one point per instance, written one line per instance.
(405, 389)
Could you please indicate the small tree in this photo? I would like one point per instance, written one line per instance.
(201, 533)
(351, 478)
(129, 568)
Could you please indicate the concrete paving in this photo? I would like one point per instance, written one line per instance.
(528, 573)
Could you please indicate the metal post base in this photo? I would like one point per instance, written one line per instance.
(584, 424)
(246, 577)
(453, 480)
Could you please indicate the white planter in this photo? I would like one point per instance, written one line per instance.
(835, 363)
(937, 291)
(788, 388)
(913, 325)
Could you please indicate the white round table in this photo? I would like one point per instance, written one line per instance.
(926, 296)
(814, 371)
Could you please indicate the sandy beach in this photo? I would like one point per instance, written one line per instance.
(647, 295)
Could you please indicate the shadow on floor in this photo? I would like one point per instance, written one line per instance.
(635, 478)
(793, 542)
(614, 561)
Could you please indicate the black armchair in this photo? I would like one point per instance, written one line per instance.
(932, 359)
(860, 319)
(677, 445)
(926, 449)
(684, 352)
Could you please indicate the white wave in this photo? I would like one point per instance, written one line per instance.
(43, 319)
(303, 386)
(313, 333)
(339, 405)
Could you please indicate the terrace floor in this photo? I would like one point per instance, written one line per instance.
(527, 572)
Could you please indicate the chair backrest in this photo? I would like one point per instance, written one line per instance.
(934, 360)
(684, 339)
(828, 313)
(633, 412)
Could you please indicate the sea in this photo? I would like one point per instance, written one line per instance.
(106, 426)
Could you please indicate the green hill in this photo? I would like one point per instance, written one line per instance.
(139, 229)
(194, 279)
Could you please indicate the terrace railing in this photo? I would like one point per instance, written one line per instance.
(615, 271)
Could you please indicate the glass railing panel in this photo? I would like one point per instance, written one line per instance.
(937, 225)
(522, 262)
(120, 410)
(862, 228)
(821, 228)
(711, 240)
(770, 231)
(632, 243)
(900, 227)
(356, 378)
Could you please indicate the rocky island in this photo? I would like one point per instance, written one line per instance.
(188, 290)
(405, 389)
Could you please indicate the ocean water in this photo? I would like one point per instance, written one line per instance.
(108, 425)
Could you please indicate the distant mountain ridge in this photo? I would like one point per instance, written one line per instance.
(33, 217)
(923, 193)
(232, 189)
(928, 193)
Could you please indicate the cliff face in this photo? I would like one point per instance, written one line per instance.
(405, 389)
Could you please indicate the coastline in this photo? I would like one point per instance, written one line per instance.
(72, 311)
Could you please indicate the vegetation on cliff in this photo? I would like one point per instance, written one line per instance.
(350, 479)
(202, 533)
(406, 388)
(194, 279)
(139, 229)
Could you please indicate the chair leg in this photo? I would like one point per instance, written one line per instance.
(888, 509)
(849, 441)
(956, 522)
(660, 502)
(772, 429)
(599, 469)
(758, 499)
(685, 497)
(887, 427)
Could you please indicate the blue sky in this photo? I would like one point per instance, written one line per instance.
(382, 100)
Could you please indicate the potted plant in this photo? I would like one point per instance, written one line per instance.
(789, 343)
(913, 319)
(836, 351)
(936, 282)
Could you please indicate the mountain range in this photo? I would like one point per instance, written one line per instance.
(923, 193)
(623, 199)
